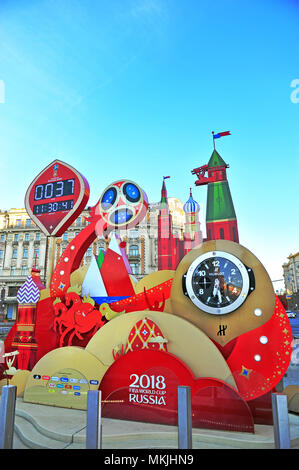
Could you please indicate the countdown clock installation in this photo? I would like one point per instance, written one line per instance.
(56, 197)
(218, 282)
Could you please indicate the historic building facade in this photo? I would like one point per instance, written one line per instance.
(291, 280)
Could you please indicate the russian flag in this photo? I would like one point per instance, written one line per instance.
(165, 177)
(221, 134)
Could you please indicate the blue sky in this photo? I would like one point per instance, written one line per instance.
(134, 88)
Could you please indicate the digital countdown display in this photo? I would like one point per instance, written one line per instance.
(55, 189)
(56, 197)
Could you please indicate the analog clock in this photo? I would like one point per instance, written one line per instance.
(218, 282)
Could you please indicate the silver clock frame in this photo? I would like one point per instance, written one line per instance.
(218, 310)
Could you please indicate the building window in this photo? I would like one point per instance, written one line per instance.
(14, 253)
(222, 234)
(89, 251)
(16, 237)
(133, 250)
(2, 238)
(135, 268)
(18, 222)
(28, 223)
(78, 221)
(65, 236)
(12, 291)
(1, 254)
(13, 270)
(37, 236)
(36, 253)
(27, 237)
(24, 270)
(133, 234)
(25, 253)
(9, 312)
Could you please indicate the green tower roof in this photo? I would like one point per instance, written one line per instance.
(216, 160)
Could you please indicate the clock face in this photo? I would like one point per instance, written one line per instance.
(217, 282)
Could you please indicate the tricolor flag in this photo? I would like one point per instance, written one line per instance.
(221, 134)
(165, 177)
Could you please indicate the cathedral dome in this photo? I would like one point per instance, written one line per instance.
(191, 205)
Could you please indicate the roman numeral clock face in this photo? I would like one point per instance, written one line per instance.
(218, 282)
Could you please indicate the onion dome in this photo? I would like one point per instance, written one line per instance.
(191, 205)
(29, 292)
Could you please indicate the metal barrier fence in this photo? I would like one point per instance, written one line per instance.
(7, 416)
(94, 419)
(184, 418)
(281, 425)
(279, 409)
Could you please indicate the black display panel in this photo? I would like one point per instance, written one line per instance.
(50, 207)
(54, 189)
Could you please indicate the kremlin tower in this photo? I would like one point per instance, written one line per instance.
(25, 341)
(192, 233)
(171, 248)
(221, 220)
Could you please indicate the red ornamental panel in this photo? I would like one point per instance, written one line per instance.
(146, 335)
(261, 357)
(56, 197)
(142, 386)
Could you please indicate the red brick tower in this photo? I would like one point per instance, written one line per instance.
(24, 340)
(170, 248)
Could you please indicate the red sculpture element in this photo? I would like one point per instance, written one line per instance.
(170, 247)
(24, 337)
(216, 405)
(144, 300)
(35, 274)
(261, 357)
(25, 340)
(156, 306)
(145, 382)
(56, 197)
(200, 173)
(118, 352)
(114, 272)
(75, 317)
(146, 335)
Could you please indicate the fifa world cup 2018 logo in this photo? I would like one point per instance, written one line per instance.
(55, 169)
